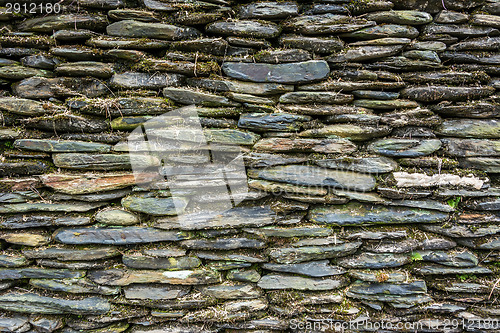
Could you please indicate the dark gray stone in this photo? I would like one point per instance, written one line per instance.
(244, 28)
(223, 244)
(307, 253)
(268, 10)
(312, 268)
(131, 28)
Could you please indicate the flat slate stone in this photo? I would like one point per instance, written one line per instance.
(363, 53)
(384, 31)
(460, 259)
(325, 24)
(102, 161)
(307, 253)
(291, 73)
(157, 206)
(313, 268)
(348, 131)
(461, 31)
(470, 128)
(49, 207)
(237, 217)
(306, 97)
(12, 261)
(237, 291)
(61, 146)
(89, 183)
(70, 254)
(405, 147)
(223, 244)
(320, 45)
(116, 217)
(244, 28)
(26, 107)
(116, 236)
(20, 221)
(155, 292)
(360, 164)
(440, 93)
(410, 17)
(411, 293)
(48, 24)
(189, 97)
(268, 10)
(474, 109)
(355, 214)
(374, 260)
(315, 176)
(172, 263)
(272, 122)
(39, 273)
(278, 281)
(14, 324)
(120, 277)
(33, 303)
(131, 28)
(85, 68)
(133, 80)
(259, 89)
(442, 270)
(286, 145)
(304, 231)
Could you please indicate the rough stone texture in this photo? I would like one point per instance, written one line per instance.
(368, 132)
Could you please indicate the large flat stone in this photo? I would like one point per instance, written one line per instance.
(360, 164)
(470, 128)
(312, 268)
(374, 260)
(49, 207)
(188, 97)
(325, 24)
(70, 254)
(260, 89)
(410, 17)
(292, 73)
(286, 145)
(130, 28)
(278, 281)
(384, 31)
(39, 273)
(309, 97)
(223, 244)
(170, 263)
(349, 131)
(61, 146)
(404, 147)
(116, 236)
(315, 176)
(294, 255)
(355, 214)
(155, 292)
(261, 122)
(50, 23)
(157, 206)
(102, 161)
(268, 10)
(441, 93)
(33, 303)
(84, 184)
(133, 80)
(119, 277)
(244, 28)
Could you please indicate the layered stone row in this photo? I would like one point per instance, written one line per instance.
(369, 136)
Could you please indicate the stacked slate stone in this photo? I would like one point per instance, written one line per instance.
(370, 136)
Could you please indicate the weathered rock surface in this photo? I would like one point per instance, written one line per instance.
(131, 28)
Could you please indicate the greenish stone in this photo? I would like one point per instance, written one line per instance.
(410, 17)
(117, 217)
(131, 28)
(384, 31)
(474, 44)
(157, 206)
(105, 162)
(473, 109)
(49, 207)
(374, 260)
(400, 295)
(260, 122)
(462, 231)
(189, 97)
(369, 276)
(256, 160)
(348, 131)
(278, 281)
(126, 43)
(487, 164)
(20, 72)
(71, 254)
(244, 28)
(260, 89)
(341, 85)
(244, 275)
(85, 68)
(61, 146)
(470, 128)
(268, 10)
(241, 256)
(33, 303)
(313, 268)
(405, 147)
(116, 236)
(27, 107)
(231, 136)
(461, 31)
(20, 221)
(355, 214)
(247, 98)
(370, 94)
(315, 176)
(360, 164)
(307, 253)
(320, 45)
(171, 264)
(12, 261)
(459, 259)
(290, 73)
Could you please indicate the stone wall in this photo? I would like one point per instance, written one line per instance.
(369, 130)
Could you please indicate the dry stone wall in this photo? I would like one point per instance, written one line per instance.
(370, 138)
